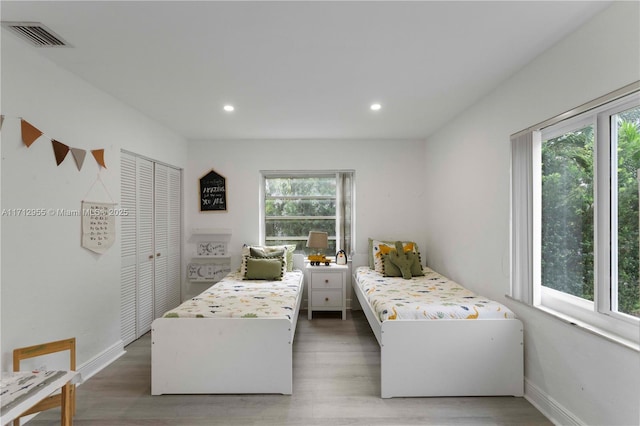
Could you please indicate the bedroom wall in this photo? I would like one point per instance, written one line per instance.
(51, 287)
(574, 376)
(389, 178)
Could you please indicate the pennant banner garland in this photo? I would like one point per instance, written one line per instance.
(30, 134)
(78, 155)
(60, 150)
(98, 154)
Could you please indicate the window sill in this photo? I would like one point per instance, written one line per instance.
(583, 326)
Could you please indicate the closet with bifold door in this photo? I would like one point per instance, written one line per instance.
(151, 241)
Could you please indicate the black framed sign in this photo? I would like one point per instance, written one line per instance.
(213, 192)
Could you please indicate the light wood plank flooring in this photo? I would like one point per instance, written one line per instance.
(335, 382)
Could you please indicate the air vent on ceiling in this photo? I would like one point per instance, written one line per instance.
(36, 34)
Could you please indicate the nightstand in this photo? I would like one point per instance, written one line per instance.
(327, 288)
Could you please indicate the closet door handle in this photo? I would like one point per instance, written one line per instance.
(150, 256)
(157, 254)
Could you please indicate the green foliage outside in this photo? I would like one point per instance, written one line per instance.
(296, 205)
(568, 212)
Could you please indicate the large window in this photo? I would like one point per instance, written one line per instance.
(295, 203)
(576, 216)
(567, 209)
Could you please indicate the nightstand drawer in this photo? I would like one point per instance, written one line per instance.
(326, 299)
(326, 280)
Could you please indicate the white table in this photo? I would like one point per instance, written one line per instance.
(21, 390)
(327, 289)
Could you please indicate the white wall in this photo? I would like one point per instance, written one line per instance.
(389, 178)
(52, 288)
(467, 172)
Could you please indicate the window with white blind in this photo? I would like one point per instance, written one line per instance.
(294, 203)
(575, 216)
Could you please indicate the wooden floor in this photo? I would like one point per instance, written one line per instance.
(335, 382)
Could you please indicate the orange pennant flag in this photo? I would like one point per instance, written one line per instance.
(29, 133)
(98, 154)
(78, 155)
(60, 150)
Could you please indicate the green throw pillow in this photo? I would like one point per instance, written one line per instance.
(398, 263)
(288, 250)
(372, 261)
(416, 264)
(261, 252)
(389, 269)
(264, 268)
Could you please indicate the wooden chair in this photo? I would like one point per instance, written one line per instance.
(56, 399)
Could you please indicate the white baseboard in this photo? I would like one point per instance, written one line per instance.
(100, 361)
(548, 406)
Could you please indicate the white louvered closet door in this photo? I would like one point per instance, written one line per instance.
(161, 240)
(151, 243)
(128, 271)
(145, 249)
(167, 238)
(174, 252)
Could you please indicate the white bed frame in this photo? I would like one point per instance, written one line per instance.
(447, 357)
(242, 355)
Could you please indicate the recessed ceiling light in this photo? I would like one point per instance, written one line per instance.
(375, 107)
(228, 108)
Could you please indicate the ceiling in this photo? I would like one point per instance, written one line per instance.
(300, 69)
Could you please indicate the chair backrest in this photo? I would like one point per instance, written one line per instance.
(20, 354)
(55, 400)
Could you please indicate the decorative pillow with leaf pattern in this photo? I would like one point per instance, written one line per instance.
(406, 265)
(380, 248)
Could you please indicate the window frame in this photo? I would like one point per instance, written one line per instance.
(340, 200)
(598, 316)
(607, 260)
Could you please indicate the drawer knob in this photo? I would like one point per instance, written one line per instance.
(326, 299)
(326, 281)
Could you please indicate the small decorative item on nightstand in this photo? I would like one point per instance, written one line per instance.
(319, 241)
(341, 257)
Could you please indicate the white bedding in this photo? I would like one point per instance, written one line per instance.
(235, 297)
(428, 297)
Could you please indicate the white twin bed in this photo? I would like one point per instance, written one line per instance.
(436, 338)
(236, 337)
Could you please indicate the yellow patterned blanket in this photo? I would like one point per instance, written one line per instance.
(233, 297)
(432, 296)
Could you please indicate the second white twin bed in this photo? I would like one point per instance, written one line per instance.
(438, 338)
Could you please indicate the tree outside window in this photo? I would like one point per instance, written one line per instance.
(295, 204)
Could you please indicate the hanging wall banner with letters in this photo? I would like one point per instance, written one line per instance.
(98, 226)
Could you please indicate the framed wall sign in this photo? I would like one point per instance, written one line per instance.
(213, 192)
(211, 248)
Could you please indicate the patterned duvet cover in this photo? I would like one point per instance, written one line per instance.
(431, 297)
(234, 297)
